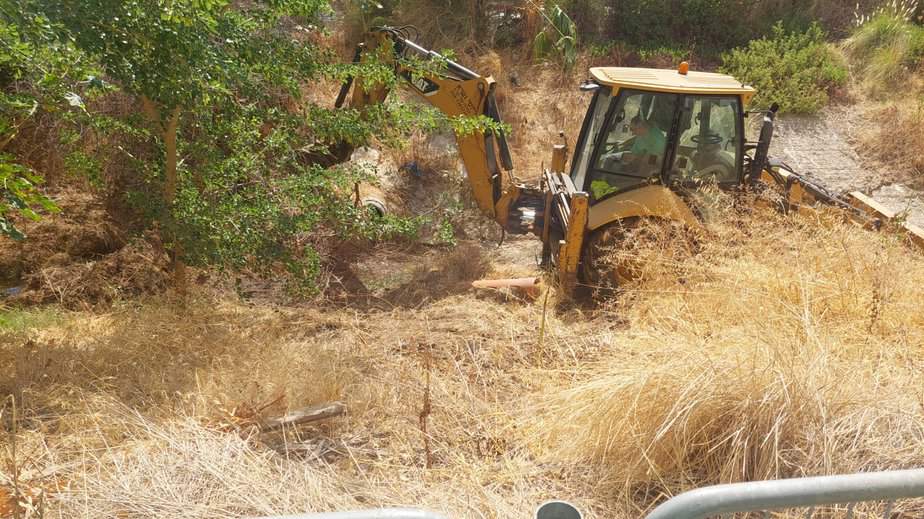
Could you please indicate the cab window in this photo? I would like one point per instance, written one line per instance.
(635, 143)
(593, 122)
(708, 149)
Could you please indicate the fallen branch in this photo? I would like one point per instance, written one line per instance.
(312, 413)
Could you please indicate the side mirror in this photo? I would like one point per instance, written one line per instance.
(589, 86)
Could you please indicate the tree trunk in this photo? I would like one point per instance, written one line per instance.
(170, 181)
(168, 133)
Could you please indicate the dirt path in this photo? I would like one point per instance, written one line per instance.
(820, 147)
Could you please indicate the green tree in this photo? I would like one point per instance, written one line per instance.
(238, 171)
(37, 76)
(183, 56)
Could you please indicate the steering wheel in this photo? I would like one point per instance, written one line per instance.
(611, 147)
(711, 138)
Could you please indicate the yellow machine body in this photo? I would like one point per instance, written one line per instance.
(671, 80)
(562, 215)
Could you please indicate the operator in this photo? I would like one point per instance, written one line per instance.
(649, 140)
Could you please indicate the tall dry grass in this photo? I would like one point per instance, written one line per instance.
(145, 411)
(886, 46)
(787, 347)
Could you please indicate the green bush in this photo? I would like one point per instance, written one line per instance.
(885, 46)
(798, 70)
(558, 38)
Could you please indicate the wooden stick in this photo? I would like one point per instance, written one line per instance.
(529, 286)
(312, 413)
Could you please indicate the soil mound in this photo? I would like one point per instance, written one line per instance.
(79, 257)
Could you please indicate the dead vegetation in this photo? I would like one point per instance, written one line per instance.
(787, 346)
(80, 257)
(893, 133)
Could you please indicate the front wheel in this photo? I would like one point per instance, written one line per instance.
(631, 249)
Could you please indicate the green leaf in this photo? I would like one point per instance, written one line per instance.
(542, 45)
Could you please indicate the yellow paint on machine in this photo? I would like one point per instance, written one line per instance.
(668, 80)
(649, 201)
(453, 98)
(569, 257)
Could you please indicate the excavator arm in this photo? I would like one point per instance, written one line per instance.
(455, 91)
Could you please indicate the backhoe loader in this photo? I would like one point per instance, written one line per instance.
(649, 139)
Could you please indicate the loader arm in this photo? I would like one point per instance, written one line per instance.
(799, 193)
(454, 91)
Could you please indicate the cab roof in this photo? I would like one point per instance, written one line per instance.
(670, 80)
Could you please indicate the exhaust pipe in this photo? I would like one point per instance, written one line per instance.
(763, 143)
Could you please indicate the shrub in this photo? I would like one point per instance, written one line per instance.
(886, 44)
(559, 38)
(795, 69)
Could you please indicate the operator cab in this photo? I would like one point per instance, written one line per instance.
(647, 126)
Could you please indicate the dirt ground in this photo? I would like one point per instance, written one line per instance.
(80, 257)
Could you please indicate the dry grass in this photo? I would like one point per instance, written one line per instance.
(540, 101)
(785, 347)
(142, 412)
(892, 138)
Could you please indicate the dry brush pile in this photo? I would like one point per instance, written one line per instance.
(786, 346)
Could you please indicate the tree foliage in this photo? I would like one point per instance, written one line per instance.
(235, 178)
(38, 75)
(19, 194)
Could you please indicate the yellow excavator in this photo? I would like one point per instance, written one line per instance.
(650, 138)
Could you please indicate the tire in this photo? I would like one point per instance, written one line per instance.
(610, 257)
(597, 273)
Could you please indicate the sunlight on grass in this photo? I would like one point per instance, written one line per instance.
(22, 320)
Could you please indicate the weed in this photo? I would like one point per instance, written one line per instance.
(18, 320)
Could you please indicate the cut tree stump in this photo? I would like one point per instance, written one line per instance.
(312, 413)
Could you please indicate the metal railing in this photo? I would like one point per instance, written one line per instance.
(810, 493)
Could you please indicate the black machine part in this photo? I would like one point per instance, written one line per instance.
(763, 143)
